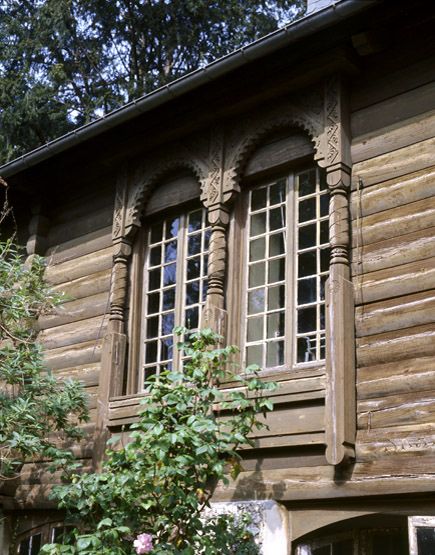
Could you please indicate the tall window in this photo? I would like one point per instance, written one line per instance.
(175, 282)
(287, 265)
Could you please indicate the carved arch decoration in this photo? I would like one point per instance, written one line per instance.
(218, 157)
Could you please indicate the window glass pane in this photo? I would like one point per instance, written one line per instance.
(255, 328)
(307, 264)
(307, 289)
(257, 249)
(256, 301)
(324, 232)
(24, 548)
(324, 205)
(275, 354)
(254, 355)
(276, 244)
(258, 224)
(277, 192)
(258, 198)
(306, 349)
(276, 270)
(307, 319)
(275, 324)
(307, 236)
(426, 540)
(307, 183)
(276, 218)
(307, 209)
(195, 220)
(172, 227)
(325, 550)
(257, 274)
(276, 297)
(177, 273)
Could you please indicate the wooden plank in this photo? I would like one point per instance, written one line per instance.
(379, 81)
(401, 134)
(79, 226)
(84, 244)
(74, 311)
(397, 345)
(397, 410)
(80, 267)
(87, 374)
(318, 483)
(397, 221)
(393, 110)
(69, 209)
(394, 164)
(278, 153)
(396, 251)
(401, 376)
(397, 281)
(394, 314)
(393, 193)
(86, 286)
(76, 332)
(387, 442)
(74, 355)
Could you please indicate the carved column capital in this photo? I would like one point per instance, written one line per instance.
(119, 283)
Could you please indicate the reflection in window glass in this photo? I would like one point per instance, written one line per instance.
(288, 215)
(176, 283)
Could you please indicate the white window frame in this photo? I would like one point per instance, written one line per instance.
(415, 522)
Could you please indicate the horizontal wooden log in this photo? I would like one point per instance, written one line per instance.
(76, 355)
(398, 221)
(84, 244)
(86, 286)
(385, 80)
(80, 226)
(318, 483)
(393, 110)
(80, 267)
(397, 410)
(87, 374)
(401, 134)
(397, 281)
(398, 163)
(293, 458)
(387, 442)
(286, 440)
(400, 376)
(397, 345)
(411, 247)
(75, 311)
(393, 193)
(77, 332)
(397, 466)
(38, 473)
(96, 200)
(395, 314)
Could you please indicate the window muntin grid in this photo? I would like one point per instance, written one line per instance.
(176, 284)
(30, 545)
(284, 217)
(312, 267)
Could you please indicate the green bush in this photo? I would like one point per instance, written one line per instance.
(153, 488)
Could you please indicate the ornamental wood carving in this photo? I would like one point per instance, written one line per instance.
(217, 157)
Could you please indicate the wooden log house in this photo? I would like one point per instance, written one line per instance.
(285, 196)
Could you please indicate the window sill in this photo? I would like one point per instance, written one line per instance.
(304, 384)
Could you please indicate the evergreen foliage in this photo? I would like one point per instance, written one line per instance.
(64, 63)
(152, 490)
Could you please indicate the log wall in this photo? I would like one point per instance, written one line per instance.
(393, 267)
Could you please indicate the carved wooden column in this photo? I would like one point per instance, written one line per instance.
(215, 314)
(115, 340)
(340, 336)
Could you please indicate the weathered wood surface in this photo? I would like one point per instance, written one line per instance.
(81, 225)
(396, 345)
(398, 313)
(399, 135)
(399, 280)
(393, 193)
(404, 249)
(398, 163)
(395, 222)
(75, 311)
(393, 110)
(379, 81)
(79, 354)
(80, 246)
(386, 442)
(396, 410)
(86, 286)
(87, 374)
(80, 267)
(391, 378)
(68, 334)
